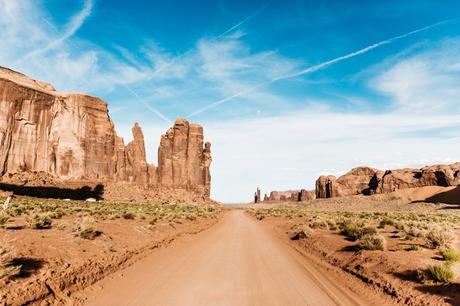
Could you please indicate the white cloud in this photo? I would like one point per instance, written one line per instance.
(426, 82)
(70, 29)
(291, 150)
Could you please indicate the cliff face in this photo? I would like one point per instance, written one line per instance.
(364, 180)
(71, 137)
(183, 160)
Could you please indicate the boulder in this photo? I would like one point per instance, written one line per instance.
(327, 187)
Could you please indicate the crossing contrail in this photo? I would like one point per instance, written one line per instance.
(229, 30)
(316, 67)
(73, 26)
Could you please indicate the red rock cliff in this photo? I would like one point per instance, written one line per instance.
(364, 180)
(71, 137)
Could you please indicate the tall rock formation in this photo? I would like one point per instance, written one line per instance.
(183, 161)
(71, 138)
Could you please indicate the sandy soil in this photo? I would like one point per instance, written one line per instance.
(397, 271)
(236, 262)
(56, 264)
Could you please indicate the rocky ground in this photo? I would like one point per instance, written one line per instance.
(52, 248)
(406, 250)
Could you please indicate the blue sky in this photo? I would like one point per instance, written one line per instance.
(286, 90)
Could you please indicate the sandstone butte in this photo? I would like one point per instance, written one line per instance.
(68, 140)
(281, 196)
(365, 180)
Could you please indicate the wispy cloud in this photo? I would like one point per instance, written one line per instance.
(424, 82)
(70, 29)
(314, 68)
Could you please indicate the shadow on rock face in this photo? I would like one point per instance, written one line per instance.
(451, 197)
(28, 266)
(81, 193)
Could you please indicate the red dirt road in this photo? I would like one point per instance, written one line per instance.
(236, 262)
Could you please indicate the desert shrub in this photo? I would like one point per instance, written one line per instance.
(190, 217)
(356, 231)
(4, 217)
(441, 273)
(332, 225)
(409, 237)
(385, 221)
(302, 232)
(319, 224)
(57, 214)
(40, 221)
(439, 237)
(7, 270)
(451, 255)
(350, 229)
(372, 242)
(86, 229)
(414, 247)
(260, 215)
(129, 215)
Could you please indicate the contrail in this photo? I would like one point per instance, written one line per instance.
(135, 94)
(229, 30)
(139, 98)
(72, 27)
(317, 67)
(249, 17)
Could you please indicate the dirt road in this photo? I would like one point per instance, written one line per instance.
(237, 262)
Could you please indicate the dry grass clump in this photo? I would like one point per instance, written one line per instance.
(4, 217)
(386, 221)
(129, 215)
(451, 255)
(441, 273)
(86, 229)
(372, 242)
(302, 232)
(7, 269)
(355, 230)
(38, 221)
(439, 237)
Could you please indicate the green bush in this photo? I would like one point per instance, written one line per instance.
(4, 217)
(451, 255)
(385, 221)
(441, 273)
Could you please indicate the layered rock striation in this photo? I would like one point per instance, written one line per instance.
(365, 180)
(69, 138)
